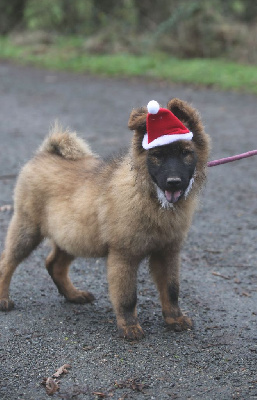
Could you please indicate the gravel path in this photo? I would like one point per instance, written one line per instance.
(218, 277)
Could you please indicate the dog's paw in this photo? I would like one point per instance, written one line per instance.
(179, 324)
(80, 297)
(6, 304)
(131, 332)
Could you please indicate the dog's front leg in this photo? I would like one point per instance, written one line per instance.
(122, 278)
(164, 267)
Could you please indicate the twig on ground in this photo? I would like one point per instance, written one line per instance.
(220, 275)
(6, 207)
(11, 176)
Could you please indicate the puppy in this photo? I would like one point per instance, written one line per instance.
(134, 206)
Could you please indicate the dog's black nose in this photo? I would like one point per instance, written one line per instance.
(173, 182)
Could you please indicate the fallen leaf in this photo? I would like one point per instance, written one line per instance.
(133, 384)
(87, 348)
(62, 370)
(51, 385)
(100, 394)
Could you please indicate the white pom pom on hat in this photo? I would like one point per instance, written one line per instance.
(153, 107)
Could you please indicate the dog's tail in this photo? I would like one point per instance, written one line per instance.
(65, 144)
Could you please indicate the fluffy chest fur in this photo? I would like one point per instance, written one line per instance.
(131, 216)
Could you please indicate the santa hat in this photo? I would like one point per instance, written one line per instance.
(163, 127)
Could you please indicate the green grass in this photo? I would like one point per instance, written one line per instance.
(68, 54)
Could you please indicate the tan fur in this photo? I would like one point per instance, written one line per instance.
(89, 208)
(65, 143)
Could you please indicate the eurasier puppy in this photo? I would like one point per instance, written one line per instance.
(135, 206)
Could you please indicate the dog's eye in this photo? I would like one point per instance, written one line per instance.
(187, 152)
(158, 154)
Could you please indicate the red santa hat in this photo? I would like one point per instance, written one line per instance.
(163, 127)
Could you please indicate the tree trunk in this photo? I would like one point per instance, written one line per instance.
(11, 15)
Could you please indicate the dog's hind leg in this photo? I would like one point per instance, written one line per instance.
(164, 267)
(122, 278)
(22, 238)
(57, 264)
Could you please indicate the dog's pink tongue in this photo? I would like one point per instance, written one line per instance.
(172, 197)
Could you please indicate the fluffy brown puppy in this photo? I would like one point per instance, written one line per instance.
(126, 209)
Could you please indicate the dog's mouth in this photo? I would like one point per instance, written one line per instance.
(169, 197)
(173, 197)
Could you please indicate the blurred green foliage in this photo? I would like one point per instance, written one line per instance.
(137, 38)
(11, 14)
(185, 28)
(67, 54)
(89, 16)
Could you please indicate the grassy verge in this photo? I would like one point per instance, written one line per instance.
(68, 54)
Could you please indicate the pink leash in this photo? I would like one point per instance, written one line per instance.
(233, 158)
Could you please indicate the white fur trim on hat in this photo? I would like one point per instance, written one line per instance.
(153, 107)
(165, 139)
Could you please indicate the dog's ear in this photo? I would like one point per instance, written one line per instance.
(137, 120)
(137, 123)
(190, 117)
